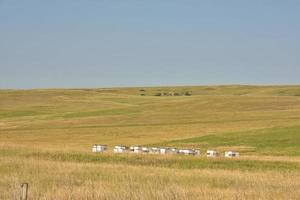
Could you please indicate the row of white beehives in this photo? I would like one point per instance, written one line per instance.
(161, 150)
(154, 150)
(99, 148)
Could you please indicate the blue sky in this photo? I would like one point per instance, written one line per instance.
(109, 43)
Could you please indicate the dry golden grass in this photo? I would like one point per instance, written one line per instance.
(67, 180)
(46, 138)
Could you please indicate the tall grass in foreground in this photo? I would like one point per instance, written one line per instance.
(73, 175)
(69, 180)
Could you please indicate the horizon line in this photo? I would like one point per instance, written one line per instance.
(154, 86)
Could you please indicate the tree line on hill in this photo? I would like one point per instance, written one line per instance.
(158, 94)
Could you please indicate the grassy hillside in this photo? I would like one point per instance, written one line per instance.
(273, 141)
(55, 128)
(123, 116)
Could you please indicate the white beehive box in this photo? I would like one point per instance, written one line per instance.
(211, 153)
(145, 149)
(154, 150)
(231, 154)
(135, 149)
(120, 149)
(94, 149)
(164, 150)
(97, 148)
(187, 151)
(174, 151)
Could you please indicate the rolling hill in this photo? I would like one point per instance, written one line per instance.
(57, 127)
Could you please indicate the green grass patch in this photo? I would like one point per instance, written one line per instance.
(274, 141)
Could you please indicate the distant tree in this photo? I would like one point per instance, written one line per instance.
(187, 93)
(142, 90)
(157, 94)
(143, 95)
(176, 94)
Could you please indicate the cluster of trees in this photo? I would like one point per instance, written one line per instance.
(186, 93)
(173, 94)
(143, 92)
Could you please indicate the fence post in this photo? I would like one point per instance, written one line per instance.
(24, 191)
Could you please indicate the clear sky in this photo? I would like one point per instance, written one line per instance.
(108, 43)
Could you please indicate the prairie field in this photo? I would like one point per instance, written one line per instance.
(46, 138)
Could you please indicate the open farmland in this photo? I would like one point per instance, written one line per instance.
(46, 138)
